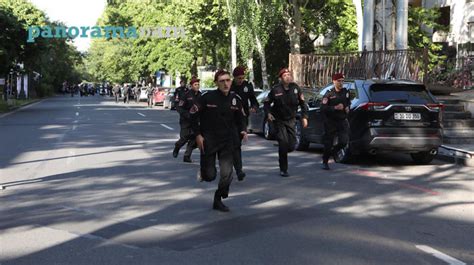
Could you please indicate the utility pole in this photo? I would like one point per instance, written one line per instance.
(401, 40)
(368, 32)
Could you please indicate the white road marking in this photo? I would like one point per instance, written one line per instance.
(77, 113)
(440, 255)
(74, 127)
(141, 114)
(166, 126)
(71, 157)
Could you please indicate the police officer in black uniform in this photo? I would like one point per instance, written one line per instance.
(286, 97)
(186, 135)
(215, 117)
(334, 109)
(180, 91)
(245, 91)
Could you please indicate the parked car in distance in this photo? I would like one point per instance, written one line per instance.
(168, 103)
(159, 95)
(386, 116)
(143, 94)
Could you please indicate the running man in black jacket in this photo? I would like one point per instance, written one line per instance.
(245, 91)
(286, 97)
(216, 116)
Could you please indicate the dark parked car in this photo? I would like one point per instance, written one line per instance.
(386, 115)
(257, 121)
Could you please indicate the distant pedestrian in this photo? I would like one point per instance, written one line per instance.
(116, 92)
(150, 91)
(137, 92)
(126, 94)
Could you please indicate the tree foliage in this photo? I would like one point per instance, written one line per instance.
(56, 60)
(419, 20)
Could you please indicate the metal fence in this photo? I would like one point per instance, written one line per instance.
(315, 70)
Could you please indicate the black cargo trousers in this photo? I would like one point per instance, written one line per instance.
(186, 136)
(221, 149)
(237, 154)
(332, 128)
(286, 137)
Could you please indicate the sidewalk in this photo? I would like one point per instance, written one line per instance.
(462, 154)
(458, 154)
(15, 104)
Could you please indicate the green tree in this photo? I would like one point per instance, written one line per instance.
(419, 19)
(54, 59)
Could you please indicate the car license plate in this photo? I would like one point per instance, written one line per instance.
(407, 116)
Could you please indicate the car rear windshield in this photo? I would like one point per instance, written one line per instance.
(399, 93)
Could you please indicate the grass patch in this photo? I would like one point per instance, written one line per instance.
(13, 104)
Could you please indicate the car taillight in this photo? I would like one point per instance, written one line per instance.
(374, 105)
(433, 106)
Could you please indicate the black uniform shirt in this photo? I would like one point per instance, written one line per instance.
(217, 115)
(185, 105)
(285, 102)
(333, 98)
(179, 93)
(246, 93)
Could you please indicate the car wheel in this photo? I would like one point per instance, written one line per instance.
(343, 155)
(268, 131)
(422, 158)
(301, 143)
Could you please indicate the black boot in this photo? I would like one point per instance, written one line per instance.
(240, 175)
(325, 166)
(187, 159)
(218, 205)
(175, 152)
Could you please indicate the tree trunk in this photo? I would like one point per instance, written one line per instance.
(360, 22)
(261, 52)
(250, 69)
(214, 55)
(233, 32)
(204, 56)
(294, 26)
(233, 36)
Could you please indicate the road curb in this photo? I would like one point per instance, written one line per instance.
(17, 108)
(456, 155)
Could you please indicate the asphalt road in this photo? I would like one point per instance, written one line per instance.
(89, 181)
